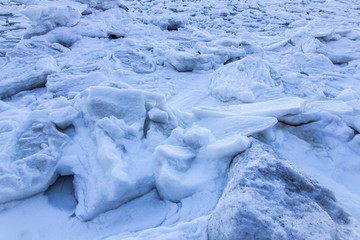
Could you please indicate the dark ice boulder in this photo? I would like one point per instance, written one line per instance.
(266, 197)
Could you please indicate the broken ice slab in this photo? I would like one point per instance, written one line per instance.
(236, 125)
(31, 73)
(247, 80)
(274, 108)
(314, 111)
(336, 107)
(122, 104)
(63, 117)
(29, 157)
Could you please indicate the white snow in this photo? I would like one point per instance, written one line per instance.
(172, 119)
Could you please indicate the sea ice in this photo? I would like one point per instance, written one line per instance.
(29, 158)
(273, 108)
(115, 120)
(236, 125)
(246, 80)
(52, 14)
(32, 74)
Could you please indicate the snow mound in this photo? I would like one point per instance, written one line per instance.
(266, 197)
(247, 80)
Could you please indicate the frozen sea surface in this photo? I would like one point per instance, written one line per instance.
(124, 119)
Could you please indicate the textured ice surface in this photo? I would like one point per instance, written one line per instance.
(246, 80)
(31, 73)
(266, 197)
(29, 157)
(119, 119)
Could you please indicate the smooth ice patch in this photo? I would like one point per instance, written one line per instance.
(236, 125)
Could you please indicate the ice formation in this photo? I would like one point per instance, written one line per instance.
(124, 119)
(265, 190)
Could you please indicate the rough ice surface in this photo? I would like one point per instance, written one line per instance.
(52, 14)
(31, 73)
(30, 156)
(265, 190)
(249, 79)
(124, 119)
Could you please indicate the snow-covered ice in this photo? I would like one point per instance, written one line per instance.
(124, 119)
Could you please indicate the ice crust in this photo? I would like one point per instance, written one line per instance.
(171, 120)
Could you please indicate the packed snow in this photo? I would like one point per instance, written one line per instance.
(123, 119)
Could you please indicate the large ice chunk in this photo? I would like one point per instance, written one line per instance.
(63, 117)
(51, 14)
(266, 197)
(315, 110)
(31, 73)
(247, 80)
(29, 158)
(236, 125)
(273, 108)
(308, 63)
(111, 153)
(177, 157)
(187, 163)
(123, 104)
(117, 171)
(73, 80)
(137, 61)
